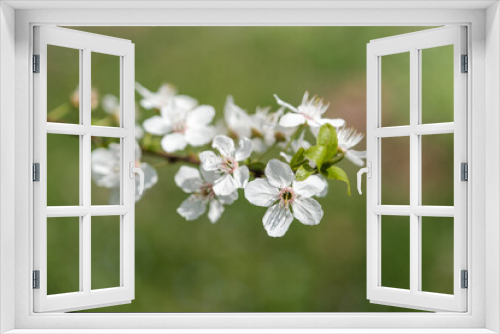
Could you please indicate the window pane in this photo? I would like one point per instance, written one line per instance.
(106, 171)
(395, 242)
(105, 252)
(437, 170)
(437, 84)
(395, 90)
(63, 73)
(395, 171)
(63, 170)
(437, 254)
(63, 255)
(106, 81)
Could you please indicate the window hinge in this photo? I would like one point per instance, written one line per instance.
(465, 279)
(36, 63)
(465, 64)
(464, 171)
(36, 279)
(36, 172)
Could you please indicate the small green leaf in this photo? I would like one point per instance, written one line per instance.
(304, 172)
(297, 159)
(327, 136)
(317, 154)
(337, 173)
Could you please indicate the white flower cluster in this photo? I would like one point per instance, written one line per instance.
(285, 187)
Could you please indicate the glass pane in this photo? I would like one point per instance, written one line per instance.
(105, 252)
(106, 81)
(395, 89)
(437, 254)
(437, 169)
(395, 171)
(63, 170)
(437, 84)
(106, 175)
(63, 255)
(395, 242)
(63, 79)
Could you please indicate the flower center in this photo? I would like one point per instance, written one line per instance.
(286, 196)
(229, 165)
(206, 191)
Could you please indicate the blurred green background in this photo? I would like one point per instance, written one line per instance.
(233, 266)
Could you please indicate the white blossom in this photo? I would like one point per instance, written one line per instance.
(302, 143)
(308, 112)
(165, 94)
(266, 130)
(285, 198)
(200, 186)
(347, 139)
(105, 169)
(182, 125)
(238, 122)
(226, 164)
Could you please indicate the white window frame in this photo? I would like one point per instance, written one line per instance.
(86, 44)
(414, 43)
(16, 215)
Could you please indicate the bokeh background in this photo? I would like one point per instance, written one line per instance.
(233, 266)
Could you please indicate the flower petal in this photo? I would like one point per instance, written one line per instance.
(277, 220)
(285, 104)
(292, 119)
(192, 208)
(150, 175)
(279, 174)
(225, 185)
(261, 193)
(338, 122)
(188, 179)
(210, 161)
(323, 192)
(185, 102)
(198, 136)
(173, 142)
(201, 115)
(244, 149)
(224, 145)
(105, 167)
(111, 104)
(210, 176)
(307, 210)
(215, 211)
(229, 199)
(157, 125)
(311, 186)
(241, 176)
(237, 120)
(356, 157)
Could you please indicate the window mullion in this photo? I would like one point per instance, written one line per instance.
(85, 166)
(415, 267)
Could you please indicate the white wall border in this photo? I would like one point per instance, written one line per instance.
(7, 165)
(260, 322)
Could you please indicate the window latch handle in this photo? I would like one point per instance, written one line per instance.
(138, 171)
(368, 171)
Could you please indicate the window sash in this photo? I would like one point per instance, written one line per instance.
(86, 297)
(414, 297)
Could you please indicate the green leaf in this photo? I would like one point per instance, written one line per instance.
(327, 136)
(304, 172)
(317, 154)
(337, 173)
(297, 159)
